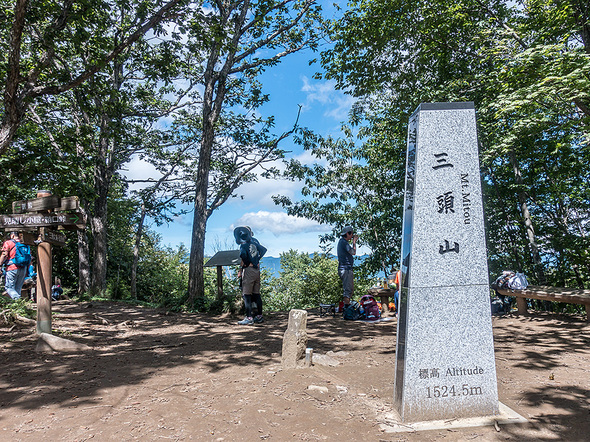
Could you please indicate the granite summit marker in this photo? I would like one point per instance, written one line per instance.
(445, 366)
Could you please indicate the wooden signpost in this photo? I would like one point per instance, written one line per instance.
(39, 219)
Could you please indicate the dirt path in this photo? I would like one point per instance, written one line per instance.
(154, 376)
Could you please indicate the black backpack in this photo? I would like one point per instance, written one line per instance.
(352, 312)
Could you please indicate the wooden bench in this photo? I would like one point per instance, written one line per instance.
(567, 295)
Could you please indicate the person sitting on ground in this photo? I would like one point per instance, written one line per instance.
(56, 291)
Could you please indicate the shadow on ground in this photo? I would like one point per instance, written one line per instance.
(130, 344)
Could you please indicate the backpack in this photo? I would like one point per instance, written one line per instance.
(22, 255)
(56, 292)
(352, 312)
(371, 308)
(518, 282)
(501, 281)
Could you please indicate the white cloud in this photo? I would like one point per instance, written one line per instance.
(278, 223)
(307, 158)
(138, 169)
(260, 193)
(337, 103)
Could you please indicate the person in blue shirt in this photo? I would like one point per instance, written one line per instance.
(31, 281)
(346, 253)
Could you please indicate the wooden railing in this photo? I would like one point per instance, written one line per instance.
(567, 295)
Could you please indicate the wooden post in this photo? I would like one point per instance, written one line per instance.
(385, 304)
(44, 288)
(44, 264)
(219, 282)
(521, 305)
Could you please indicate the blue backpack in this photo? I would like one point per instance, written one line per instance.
(22, 255)
(353, 312)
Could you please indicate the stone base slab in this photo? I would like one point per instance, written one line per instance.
(506, 416)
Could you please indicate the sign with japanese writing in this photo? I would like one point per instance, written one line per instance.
(41, 220)
(52, 237)
(445, 364)
(46, 203)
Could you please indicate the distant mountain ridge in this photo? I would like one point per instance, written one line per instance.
(273, 265)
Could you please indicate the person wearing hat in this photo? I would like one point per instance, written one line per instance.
(251, 251)
(346, 254)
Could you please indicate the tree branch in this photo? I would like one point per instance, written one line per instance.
(88, 73)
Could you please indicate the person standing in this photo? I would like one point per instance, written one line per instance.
(397, 291)
(250, 254)
(15, 270)
(346, 253)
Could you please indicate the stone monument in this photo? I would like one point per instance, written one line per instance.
(295, 339)
(445, 365)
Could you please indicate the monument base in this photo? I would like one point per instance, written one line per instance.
(506, 416)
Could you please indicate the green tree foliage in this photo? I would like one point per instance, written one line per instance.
(304, 281)
(48, 48)
(356, 181)
(86, 85)
(92, 129)
(525, 65)
(232, 43)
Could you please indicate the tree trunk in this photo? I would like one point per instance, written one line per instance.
(528, 222)
(98, 220)
(83, 262)
(99, 263)
(136, 252)
(196, 275)
(213, 98)
(13, 105)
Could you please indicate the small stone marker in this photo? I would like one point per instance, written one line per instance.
(295, 338)
(445, 365)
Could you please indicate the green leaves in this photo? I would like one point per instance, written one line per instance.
(305, 281)
(526, 68)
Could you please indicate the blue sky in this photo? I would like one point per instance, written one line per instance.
(289, 84)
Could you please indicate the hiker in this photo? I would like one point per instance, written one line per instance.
(250, 253)
(16, 268)
(30, 282)
(346, 254)
(398, 289)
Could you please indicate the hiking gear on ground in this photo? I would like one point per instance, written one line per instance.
(353, 312)
(371, 308)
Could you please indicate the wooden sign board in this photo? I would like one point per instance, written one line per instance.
(53, 237)
(69, 203)
(42, 220)
(46, 203)
(29, 238)
(37, 204)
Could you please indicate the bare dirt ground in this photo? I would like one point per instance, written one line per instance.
(157, 376)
